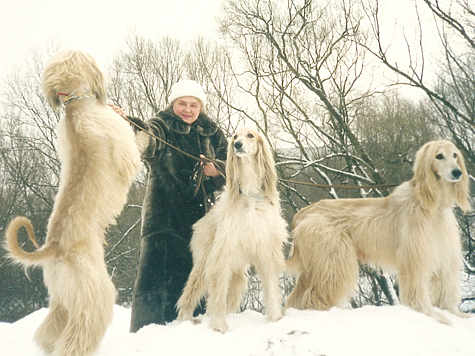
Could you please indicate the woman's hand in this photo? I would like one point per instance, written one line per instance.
(209, 169)
(118, 110)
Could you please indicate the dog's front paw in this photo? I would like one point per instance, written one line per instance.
(461, 314)
(196, 321)
(219, 325)
(441, 318)
(185, 315)
(274, 317)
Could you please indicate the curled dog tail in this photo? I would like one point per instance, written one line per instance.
(17, 254)
(294, 263)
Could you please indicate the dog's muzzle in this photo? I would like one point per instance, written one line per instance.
(456, 175)
(238, 147)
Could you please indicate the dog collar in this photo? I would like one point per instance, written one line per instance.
(258, 197)
(66, 98)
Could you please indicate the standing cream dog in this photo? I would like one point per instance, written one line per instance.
(99, 159)
(412, 232)
(245, 226)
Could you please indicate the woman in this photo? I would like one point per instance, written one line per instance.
(174, 200)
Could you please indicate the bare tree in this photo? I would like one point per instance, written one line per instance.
(211, 65)
(386, 125)
(452, 93)
(141, 76)
(303, 67)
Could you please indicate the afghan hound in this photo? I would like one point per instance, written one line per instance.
(100, 157)
(413, 232)
(244, 227)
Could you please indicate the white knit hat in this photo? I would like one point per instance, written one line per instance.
(187, 88)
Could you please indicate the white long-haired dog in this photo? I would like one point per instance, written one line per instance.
(412, 232)
(99, 158)
(244, 227)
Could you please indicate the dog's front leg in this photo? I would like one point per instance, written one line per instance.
(269, 269)
(445, 290)
(218, 291)
(414, 292)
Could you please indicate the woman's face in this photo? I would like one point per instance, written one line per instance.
(188, 108)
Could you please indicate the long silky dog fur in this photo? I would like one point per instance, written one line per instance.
(100, 158)
(244, 227)
(413, 232)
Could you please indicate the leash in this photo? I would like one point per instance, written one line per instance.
(340, 186)
(205, 160)
(202, 160)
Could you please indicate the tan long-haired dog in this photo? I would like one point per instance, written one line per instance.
(99, 159)
(412, 232)
(245, 226)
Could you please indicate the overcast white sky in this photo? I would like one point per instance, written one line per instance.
(101, 26)
(96, 26)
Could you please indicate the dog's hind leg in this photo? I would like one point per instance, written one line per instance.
(294, 265)
(194, 289)
(295, 299)
(51, 328)
(90, 297)
(203, 234)
(339, 269)
(330, 273)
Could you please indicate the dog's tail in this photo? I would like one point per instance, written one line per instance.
(293, 264)
(17, 254)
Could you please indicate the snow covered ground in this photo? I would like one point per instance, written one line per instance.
(378, 331)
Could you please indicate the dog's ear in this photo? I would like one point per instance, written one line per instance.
(426, 181)
(462, 187)
(50, 81)
(52, 98)
(95, 77)
(232, 170)
(266, 166)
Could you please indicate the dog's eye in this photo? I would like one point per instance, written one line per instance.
(235, 137)
(455, 155)
(440, 156)
(250, 135)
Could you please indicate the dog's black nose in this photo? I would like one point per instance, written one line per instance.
(238, 145)
(456, 173)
